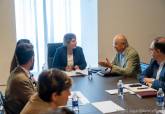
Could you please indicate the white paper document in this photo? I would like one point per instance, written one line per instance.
(77, 72)
(81, 98)
(160, 112)
(115, 91)
(107, 106)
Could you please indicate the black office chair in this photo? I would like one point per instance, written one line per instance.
(2, 100)
(51, 52)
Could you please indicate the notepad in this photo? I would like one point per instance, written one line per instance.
(115, 91)
(138, 88)
(107, 106)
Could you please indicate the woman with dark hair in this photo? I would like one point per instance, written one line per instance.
(19, 85)
(14, 62)
(70, 56)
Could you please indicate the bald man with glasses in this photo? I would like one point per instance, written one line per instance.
(126, 61)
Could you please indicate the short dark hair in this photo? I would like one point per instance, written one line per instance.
(68, 37)
(160, 46)
(50, 81)
(24, 52)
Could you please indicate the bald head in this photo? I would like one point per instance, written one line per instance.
(120, 38)
(120, 42)
(161, 40)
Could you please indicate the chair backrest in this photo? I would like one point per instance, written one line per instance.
(143, 66)
(51, 52)
(2, 100)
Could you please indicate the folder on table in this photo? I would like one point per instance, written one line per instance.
(142, 91)
(146, 94)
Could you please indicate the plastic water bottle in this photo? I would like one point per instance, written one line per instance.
(44, 66)
(75, 103)
(120, 88)
(2, 110)
(89, 73)
(160, 98)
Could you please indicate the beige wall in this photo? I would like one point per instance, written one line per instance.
(139, 20)
(7, 37)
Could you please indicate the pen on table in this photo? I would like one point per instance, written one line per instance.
(142, 88)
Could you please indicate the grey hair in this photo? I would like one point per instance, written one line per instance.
(68, 37)
(121, 37)
(126, 43)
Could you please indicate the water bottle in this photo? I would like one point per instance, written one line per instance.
(89, 73)
(44, 66)
(160, 98)
(2, 110)
(75, 104)
(120, 88)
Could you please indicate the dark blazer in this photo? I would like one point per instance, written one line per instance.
(60, 58)
(151, 72)
(19, 89)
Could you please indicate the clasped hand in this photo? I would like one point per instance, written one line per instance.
(148, 81)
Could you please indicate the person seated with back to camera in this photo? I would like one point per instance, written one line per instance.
(69, 57)
(154, 74)
(15, 64)
(53, 91)
(20, 86)
(126, 61)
